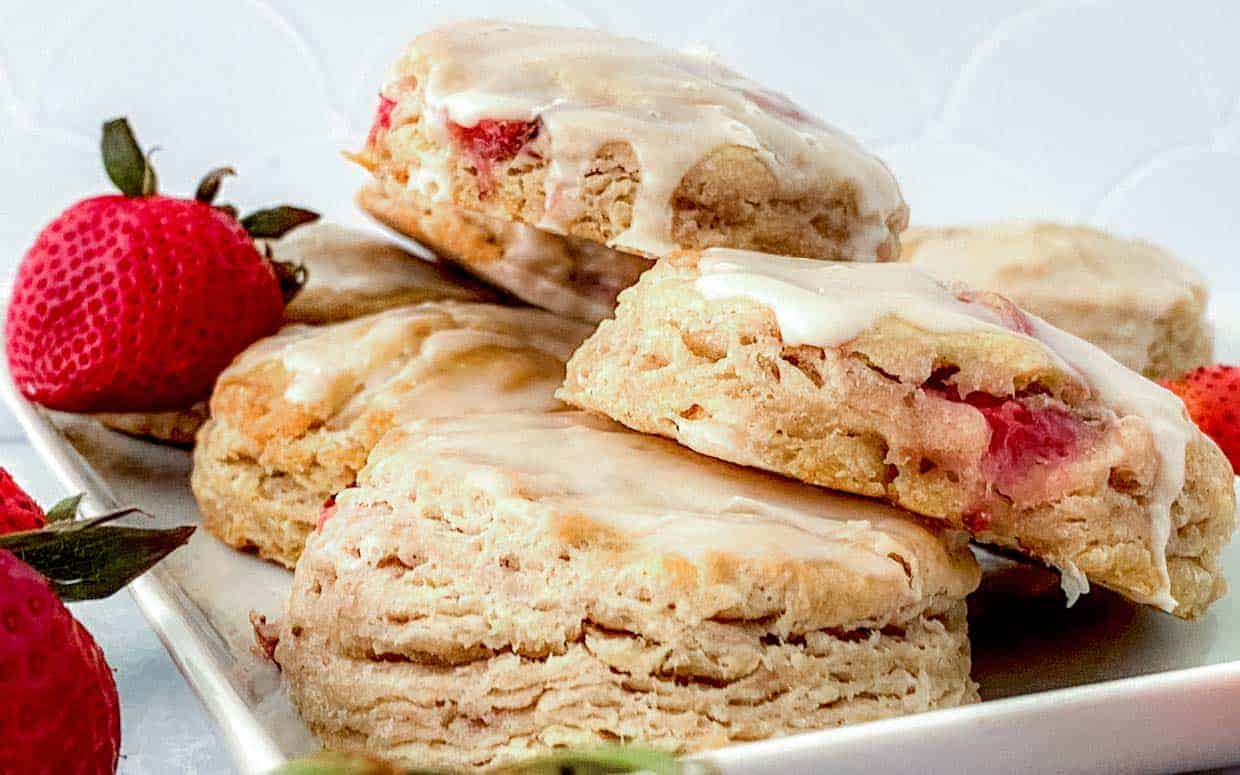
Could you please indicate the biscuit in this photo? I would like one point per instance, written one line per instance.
(498, 585)
(643, 149)
(877, 380)
(293, 418)
(350, 273)
(566, 275)
(1131, 298)
(177, 427)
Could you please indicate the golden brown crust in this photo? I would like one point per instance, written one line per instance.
(717, 376)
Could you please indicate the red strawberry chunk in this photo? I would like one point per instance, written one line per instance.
(1023, 437)
(489, 142)
(383, 118)
(326, 512)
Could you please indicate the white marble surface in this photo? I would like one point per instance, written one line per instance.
(1117, 112)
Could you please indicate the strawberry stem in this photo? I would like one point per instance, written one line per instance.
(210, 185)
(127, 166)
(91, 559)
(275, 222)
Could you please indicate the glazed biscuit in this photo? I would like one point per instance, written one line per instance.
(177, 427)
(566, 275)
(350, 273)
(498, 585)
(1131, 298)
(877, 380)
(643, 149)
(293, 418)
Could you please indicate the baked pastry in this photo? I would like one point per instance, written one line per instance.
(566, 275)
(350, 273)
(582, 133)
(177, 427)
(498, 585)
(1131, 298)
(293, 418)
(877, 380)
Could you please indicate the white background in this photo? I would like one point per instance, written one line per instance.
(1122, 114)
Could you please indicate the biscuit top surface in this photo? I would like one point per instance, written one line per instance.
(827, 304)
(422, 360)
(340, 260)
(1056, 262)
(600, 484)
(590, 88)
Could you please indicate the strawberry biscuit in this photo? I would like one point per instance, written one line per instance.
(293, 418)
(349, 273)
(566, 275)
(581, 133)
(877, 380)
(1131, 298)
(495, 586)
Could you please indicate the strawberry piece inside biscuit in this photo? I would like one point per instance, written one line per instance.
(490, 142)
(383, 118)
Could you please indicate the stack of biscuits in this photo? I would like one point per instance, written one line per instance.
(697, 457)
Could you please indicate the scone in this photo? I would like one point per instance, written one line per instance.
(1131, 298)
(581, 133)
(498, 585)
(177, 427)
(350, 273)
(293, 418)
(877, 380)
(566, 275)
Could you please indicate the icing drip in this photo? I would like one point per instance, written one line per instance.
(589, 89)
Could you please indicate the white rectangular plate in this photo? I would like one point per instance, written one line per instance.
(1104, 687)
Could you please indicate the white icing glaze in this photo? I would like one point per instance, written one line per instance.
(343, 260)
(827, 304)
(665, 498)
(425, 360)
(590, 89)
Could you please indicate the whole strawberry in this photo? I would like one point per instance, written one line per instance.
(59, 710)
(1212, 396)
(137, 301)
(18, 511)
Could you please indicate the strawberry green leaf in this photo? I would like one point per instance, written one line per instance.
(91, 559)
(230, 210)
(276, 221)
(65, 510)
(127, 167)
(210, 185)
